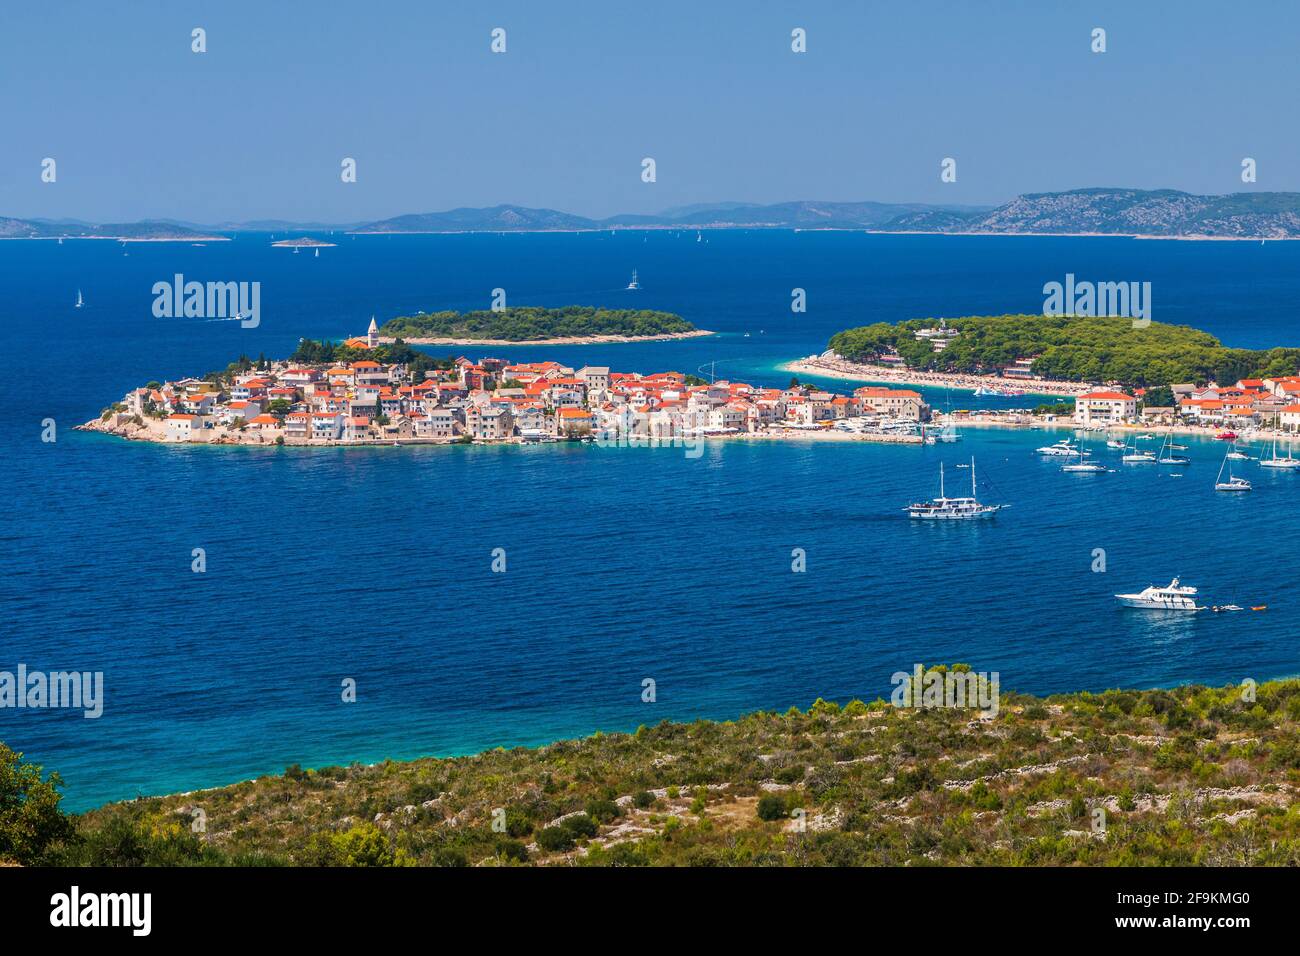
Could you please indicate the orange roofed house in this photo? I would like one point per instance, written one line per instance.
(895, 402)
(572, 421)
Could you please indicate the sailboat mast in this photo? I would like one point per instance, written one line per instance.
(940, 479)
(972, 476)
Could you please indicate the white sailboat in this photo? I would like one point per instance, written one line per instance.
(634, 285)
(1232, 484)
(1084, 467)
(80, 300)
(948, 509)
(1288, 462)
(1167, 457)
(1134, 457)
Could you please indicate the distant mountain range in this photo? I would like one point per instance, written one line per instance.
(788, 215)
(1146, 212)
(1141, 212)
(71, 228)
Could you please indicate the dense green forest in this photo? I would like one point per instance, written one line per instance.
(1190, 776)
(529, 324)
(395, 353)
(1101, 349)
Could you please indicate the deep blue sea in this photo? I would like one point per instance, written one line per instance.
(622, 564)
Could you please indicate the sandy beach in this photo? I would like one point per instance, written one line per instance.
(566, 340)
(835, 367)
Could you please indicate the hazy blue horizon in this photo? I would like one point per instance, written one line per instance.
(256, 127)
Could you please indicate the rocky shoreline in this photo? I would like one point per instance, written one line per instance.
(123, 426)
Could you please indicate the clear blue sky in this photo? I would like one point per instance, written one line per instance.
(257, 126)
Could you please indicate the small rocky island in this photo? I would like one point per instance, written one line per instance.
(304, 242)
(571, 325)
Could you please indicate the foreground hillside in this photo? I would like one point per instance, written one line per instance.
(1191, 776)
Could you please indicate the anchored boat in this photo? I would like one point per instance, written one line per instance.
(1167, 457)
(1275, 462)
(1062, 448)
(1134, 457)
(1174, 597)
(944, 508)
(1232, 484)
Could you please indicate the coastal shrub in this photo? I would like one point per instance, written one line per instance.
(450, 857)
(31, 823)
(912, 780)
(555, 839)
(791, 773)
(604, 811)
(620, 854)
(127, 842)
(1026, 735)
(1285, 754)
(422, 791)
(363, 845)
(580, 825)
(771, 806)
(823, 779)
(513, 851)
(982, 798)
(643, 799)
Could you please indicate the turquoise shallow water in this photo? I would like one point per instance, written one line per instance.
(623, 564)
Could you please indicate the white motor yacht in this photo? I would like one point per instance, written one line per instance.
(1062, 448)
(1174, 597)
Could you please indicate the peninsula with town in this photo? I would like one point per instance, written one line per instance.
(368, 391)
